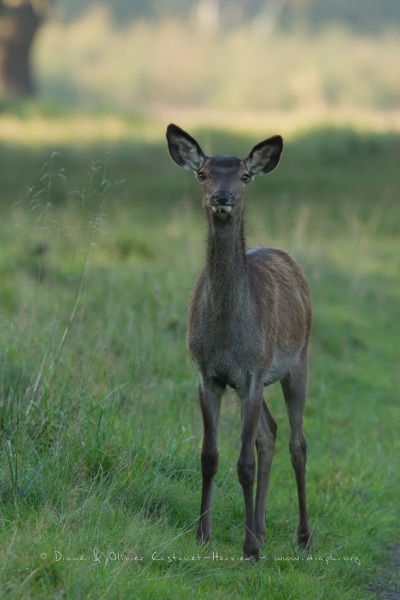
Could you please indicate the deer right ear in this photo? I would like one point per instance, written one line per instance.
(184, 149)
(265, 156)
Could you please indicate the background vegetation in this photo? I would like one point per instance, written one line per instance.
(102, 239)
(175, 64)
(365, 16)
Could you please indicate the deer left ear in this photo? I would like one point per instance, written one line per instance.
(184, 149)
(265, 156)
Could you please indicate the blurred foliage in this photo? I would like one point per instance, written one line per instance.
(363, 16)
(367, 16)
(149, 64)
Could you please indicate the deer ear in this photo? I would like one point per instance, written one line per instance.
(265, 156)
(184, 149)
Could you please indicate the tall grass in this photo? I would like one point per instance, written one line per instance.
(100, 428)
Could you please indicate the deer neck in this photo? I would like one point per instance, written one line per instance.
(226, 265)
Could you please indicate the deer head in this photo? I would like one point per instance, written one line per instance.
(223, 178)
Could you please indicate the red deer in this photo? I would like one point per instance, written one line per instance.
(249, 326)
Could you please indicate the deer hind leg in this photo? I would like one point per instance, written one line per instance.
(294, 388)
(265, 444)
(210, 404)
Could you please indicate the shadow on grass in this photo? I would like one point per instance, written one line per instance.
(323, 165)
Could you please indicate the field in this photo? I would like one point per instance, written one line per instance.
(102, 239)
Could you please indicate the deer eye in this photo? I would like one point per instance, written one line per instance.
(201, 176)
(245, 178)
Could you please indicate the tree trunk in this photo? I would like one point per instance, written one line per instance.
(18, 27)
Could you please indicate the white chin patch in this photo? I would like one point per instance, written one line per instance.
(221, 209)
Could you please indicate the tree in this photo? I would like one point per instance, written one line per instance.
(19, 22)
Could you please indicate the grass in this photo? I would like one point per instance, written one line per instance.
(100, 428)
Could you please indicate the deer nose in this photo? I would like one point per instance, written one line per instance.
(221, 198)
(221, 203)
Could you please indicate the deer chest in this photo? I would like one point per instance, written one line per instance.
(224, 353)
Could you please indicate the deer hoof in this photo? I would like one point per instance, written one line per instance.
(203, 537)
(251, 552)
(305, 539)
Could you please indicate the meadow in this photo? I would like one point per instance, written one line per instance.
(102, 240)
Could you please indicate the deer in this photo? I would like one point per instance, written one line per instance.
(248, 327)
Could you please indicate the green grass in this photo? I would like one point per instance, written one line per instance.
(100, 428)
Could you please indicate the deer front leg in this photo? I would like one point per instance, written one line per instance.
(210, 404)
(251, 404)
(265, 444)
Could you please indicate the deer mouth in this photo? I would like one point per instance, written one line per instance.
(221, 210)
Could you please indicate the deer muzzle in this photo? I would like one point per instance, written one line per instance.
(221, 203)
